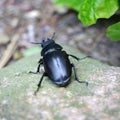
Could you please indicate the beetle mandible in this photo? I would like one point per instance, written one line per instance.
(56, 64)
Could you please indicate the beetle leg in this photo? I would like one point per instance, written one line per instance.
(73, 56)
(39, 84)
(76, 77)
(38, 68)
(77, 57)
(40, 61)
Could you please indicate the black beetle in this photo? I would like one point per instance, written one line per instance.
(56, 64)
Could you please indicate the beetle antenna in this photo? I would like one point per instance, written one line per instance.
(35, 43)
(53, 36)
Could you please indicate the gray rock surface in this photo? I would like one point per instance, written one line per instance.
(99, 101)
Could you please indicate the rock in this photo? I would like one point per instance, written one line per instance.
(60, 10)
(4, 39)
(34, 14)
(100, 100)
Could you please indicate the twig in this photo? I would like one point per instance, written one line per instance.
(9, 51)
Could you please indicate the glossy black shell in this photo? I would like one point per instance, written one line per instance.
(57, 67)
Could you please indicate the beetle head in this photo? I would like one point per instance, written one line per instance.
(47, 42)
(48, 45)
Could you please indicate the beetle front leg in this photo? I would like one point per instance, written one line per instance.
(38, 68)
(76, 78)
(39, 84)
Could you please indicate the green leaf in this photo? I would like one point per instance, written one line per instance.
(87, 12)
(91, 10)
(114, 32)
(106, 8)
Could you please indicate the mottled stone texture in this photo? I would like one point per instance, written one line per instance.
(99, 101)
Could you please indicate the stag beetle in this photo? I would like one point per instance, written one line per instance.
(56, 64)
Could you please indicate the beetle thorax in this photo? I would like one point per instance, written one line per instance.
(50, 46)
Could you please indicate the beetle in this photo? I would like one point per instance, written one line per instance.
(56, 64)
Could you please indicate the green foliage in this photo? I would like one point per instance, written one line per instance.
(89, 11)
(114, 32)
